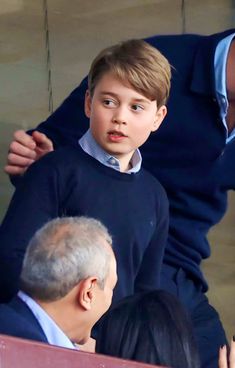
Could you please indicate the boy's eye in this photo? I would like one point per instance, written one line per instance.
(108, 102)
(137, 107)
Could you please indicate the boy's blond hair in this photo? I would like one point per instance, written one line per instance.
(135, 63)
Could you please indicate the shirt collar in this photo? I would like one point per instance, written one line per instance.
(54, 335)
(90, 146)
(221, 54)
(220, 60)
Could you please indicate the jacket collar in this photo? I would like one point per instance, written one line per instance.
(203, 76)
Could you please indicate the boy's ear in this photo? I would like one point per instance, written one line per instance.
(87, 106)
(160, 115)
(86, 292)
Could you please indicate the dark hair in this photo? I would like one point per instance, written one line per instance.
(150, 327)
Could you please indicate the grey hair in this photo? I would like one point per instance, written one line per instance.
(61, 254)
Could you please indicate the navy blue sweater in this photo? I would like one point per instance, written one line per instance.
(188, 154)
(134, 207)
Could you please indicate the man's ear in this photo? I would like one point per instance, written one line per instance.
(86, 292)
(87, 105)
(160, 115)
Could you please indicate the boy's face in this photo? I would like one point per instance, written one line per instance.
(121, 119)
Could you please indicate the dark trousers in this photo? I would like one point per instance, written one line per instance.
(208, 329)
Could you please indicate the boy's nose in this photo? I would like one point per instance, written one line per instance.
(119, 118)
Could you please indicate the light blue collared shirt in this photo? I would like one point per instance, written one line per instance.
(54, 334)
(90, 146)
(220, 61)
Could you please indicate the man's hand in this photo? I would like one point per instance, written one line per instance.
(25, 149)
(227, 360)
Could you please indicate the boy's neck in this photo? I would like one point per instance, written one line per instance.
(125, 163)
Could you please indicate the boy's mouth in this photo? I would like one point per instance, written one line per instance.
(115, 136)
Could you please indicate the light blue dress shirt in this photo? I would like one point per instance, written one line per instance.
(54, 334)
(90, 146)
(220, 61)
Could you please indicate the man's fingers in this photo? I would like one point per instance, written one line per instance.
(24, 139)
(223, 363)
(16, 160)
(17, 165)
(24, 150)
(232, 353)
(14, 170)
(42, 141)
(16, 148)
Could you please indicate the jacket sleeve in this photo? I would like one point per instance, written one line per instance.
(68, 123)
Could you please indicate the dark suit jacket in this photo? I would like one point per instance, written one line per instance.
(16, 319)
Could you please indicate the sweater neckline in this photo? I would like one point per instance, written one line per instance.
(107, 170)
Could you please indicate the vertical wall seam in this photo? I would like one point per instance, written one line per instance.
(232, 13)
(48, 56)
(183, 16)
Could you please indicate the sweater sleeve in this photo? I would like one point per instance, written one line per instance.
(35, 201)
(148, 277)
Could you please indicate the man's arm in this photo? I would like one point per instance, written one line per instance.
(65, 126)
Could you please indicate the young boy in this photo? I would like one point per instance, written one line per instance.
(101, 177)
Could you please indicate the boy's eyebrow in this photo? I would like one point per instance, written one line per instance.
(142, 100)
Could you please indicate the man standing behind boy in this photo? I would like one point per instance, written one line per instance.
(102, 177)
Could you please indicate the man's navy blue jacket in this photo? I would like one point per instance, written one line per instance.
(16, 319)
(188, 154)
